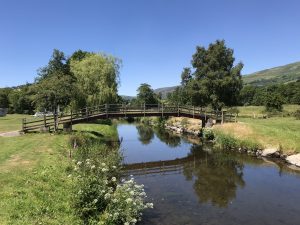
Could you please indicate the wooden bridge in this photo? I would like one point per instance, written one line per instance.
(46, 123)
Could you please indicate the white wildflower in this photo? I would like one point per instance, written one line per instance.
(113, 179)
(79, 163)
(128, 200)
(93, 167)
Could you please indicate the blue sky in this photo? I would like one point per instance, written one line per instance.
(154, 38)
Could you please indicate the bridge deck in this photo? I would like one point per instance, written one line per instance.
(119, 111)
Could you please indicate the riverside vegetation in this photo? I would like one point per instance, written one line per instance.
(41, 184)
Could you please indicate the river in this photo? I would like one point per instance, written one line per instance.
(197, 184)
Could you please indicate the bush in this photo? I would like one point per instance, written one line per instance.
(98, 198)
(208, 134)
(297, 114)
(125, 205)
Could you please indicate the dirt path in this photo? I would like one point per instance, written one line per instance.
(10, 134)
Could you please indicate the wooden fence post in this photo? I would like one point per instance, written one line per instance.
(193, 112)
(222, 117)
(45, 123)
(144, 109)
(71, 117)
(23, 124)
(106, 110)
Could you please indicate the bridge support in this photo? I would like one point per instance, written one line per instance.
(67, 127)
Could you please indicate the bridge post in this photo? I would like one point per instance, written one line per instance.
(45, 124)
(178, 110)
(144, 109)
(222, 121)
(193, 112)
(106, 110)
(162, 109)
(23, 124)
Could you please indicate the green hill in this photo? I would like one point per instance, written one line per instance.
(281, 74)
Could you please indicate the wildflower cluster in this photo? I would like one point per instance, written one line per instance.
(126, 204)
(99, 197)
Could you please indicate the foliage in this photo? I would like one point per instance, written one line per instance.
(297, 114)
(229, 142)
(97, 77)
(215, 80)
(55, 84)
(4, 101)
(98, 198)
(126, 204)
(208, 134)
(274, 103)
(146, 95)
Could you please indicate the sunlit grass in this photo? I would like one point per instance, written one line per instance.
(34, 183)
(271, 132)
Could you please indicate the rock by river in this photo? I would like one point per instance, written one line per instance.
(294, 159)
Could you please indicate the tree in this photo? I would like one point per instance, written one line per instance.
(97, 77)
(146, 94)
(216, 80)
(186, 76)
(56, 65)
(4, 102)
(274, 102)
(55, 84)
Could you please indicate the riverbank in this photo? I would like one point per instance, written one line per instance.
(276, 137)
(41, 176)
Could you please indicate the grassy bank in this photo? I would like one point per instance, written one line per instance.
(258, 111)
(277, 132)
(12, 122)
(34, 169)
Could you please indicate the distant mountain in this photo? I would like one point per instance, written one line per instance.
(280, 74)
(165, 90)
(127, 98)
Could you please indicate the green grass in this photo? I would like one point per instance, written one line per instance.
(34, 183)
(277, 131)
(250, 111)
(12, 122)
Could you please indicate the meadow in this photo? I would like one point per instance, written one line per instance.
(34, 169)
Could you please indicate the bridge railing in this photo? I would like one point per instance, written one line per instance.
(122, 109)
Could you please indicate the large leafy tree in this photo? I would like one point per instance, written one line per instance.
(97, 77)
(216, 80)
(146, 94)
(55, 84)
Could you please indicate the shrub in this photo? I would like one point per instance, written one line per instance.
(126, 204)
(297, 114)
(208, 134)
(98, 198)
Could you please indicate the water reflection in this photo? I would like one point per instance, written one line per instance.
(216, 176)
(197, 184)
(146, 133)
(167, 137)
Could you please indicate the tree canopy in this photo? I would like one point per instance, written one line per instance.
(146, 94)
(98, 77)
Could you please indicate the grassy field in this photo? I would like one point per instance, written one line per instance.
(12, 122)
(271, 132)
(258, 111)
(34, 183)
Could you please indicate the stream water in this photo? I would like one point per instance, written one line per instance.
(197, 184)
